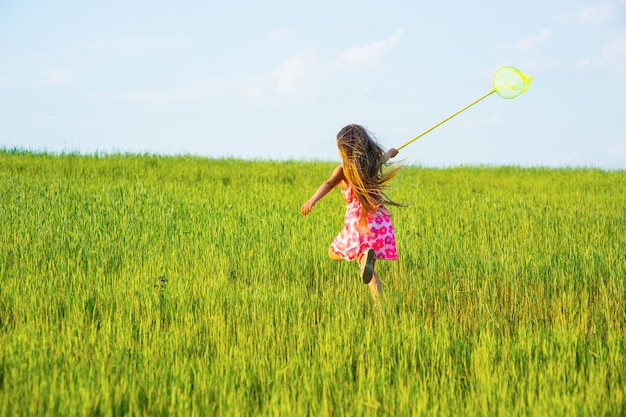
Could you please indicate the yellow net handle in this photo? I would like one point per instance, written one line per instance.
(445, 120)
(508, 82)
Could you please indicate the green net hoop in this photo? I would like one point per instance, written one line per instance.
(509, 82)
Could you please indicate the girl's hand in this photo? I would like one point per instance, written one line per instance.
(391, 152)
(306, 207)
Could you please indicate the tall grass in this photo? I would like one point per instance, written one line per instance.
(145, 285)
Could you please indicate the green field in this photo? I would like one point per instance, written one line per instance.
(145, 285)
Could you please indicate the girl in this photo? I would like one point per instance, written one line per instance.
(367, 232)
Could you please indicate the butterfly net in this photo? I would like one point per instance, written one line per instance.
(509, 82)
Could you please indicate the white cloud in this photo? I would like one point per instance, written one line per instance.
(55, 76)
(614, 53)
(612, 57)
(531, 66)
(528, 44)
(293, 73)
(604, 15)
(368, 54)
(601, 14)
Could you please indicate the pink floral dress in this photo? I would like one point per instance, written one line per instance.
(351, 242)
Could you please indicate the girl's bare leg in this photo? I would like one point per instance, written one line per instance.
(333, 255)
(375, 286)
(366, 265)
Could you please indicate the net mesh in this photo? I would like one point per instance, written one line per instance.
(509, 82)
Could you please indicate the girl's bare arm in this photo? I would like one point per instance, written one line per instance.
(335, 178)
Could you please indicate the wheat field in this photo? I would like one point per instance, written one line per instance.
(151, 285)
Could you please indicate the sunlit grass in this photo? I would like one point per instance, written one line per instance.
(137, 284)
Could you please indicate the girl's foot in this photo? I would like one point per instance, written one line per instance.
(368, 269)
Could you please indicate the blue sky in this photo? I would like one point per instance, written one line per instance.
(277, 79)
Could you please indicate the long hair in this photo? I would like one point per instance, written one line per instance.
(363, 167)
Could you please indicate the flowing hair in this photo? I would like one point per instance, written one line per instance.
(363, 167)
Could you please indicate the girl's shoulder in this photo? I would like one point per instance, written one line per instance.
(338, 173)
